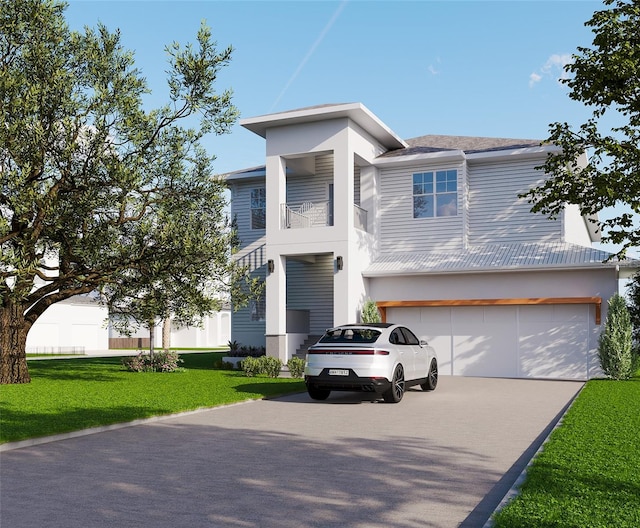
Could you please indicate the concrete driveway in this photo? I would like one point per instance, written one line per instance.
(440, 459)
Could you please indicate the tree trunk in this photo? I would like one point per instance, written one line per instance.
(13, 344)
(152, 337)
(166, 334)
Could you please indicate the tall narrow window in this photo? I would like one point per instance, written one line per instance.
(435, 194)
(258, 208)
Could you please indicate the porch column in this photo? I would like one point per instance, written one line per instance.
(275, 281)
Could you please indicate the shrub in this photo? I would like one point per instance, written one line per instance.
(270, 366)
(250, 366)
(165, 361)
(296, 367)
(223, 365)
(370, 312)
(615, 344)
(265, 365)
(245, 351)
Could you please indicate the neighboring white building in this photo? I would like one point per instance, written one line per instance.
(76, 325)
(430, 228)
(215, 331)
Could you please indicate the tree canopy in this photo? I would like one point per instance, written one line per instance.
(98, 193)
(606, 78)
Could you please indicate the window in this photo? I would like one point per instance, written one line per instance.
(257, 309)
(435, 193)
(258, 208)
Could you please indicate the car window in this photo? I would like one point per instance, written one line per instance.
(350, 335)
(397, 338)
(409, 336)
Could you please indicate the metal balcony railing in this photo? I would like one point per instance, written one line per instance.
(306, 214)
(315, 214)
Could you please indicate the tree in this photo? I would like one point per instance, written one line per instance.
(615, 346)
(606, 78)
(633, 292)
(370, 312)
(96, 192)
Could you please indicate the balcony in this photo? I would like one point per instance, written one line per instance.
(315, 214)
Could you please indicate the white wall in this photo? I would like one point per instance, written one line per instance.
(71, 323)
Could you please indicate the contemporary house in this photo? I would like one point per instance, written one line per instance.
(431, 229)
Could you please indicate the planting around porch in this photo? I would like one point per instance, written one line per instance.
(71, 394)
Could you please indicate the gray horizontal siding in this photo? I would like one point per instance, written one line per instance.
(310, 287)
(496, 214)
(312, 188)
(399, 231)
(243, 329)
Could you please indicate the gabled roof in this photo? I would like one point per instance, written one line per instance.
(529, 256)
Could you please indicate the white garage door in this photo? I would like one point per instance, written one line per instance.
(548, 341)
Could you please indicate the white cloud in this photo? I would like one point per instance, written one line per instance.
(552, 68)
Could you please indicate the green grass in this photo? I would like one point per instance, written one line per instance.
(71, 394)
(588, 474)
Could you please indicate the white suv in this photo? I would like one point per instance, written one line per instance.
(384, 358)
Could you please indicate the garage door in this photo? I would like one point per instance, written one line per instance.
(546, 341)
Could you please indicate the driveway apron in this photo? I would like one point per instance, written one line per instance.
(437, 459)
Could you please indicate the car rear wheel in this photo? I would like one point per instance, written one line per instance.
(432, 377)
(396, 391)
(318, 394)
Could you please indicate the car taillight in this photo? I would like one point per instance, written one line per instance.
(382, 352)
(347, 352)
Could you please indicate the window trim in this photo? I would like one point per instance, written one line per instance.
(252, 208)
(433, 194)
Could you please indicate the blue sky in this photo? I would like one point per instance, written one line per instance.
(478, 68)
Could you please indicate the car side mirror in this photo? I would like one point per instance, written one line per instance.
(423, 342)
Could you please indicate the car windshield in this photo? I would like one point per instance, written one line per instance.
(350, 335)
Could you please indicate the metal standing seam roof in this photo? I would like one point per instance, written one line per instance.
(497, 257)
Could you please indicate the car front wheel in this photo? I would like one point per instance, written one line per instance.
(395, 393)
(432, 377)
(318, 394)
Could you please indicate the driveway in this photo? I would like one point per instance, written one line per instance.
(440, 459)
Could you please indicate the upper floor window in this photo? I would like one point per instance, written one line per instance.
(435, 193)
(258, 208)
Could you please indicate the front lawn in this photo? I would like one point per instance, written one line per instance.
(71, 394)
(588, 474)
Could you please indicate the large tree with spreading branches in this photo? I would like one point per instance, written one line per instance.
(98, 193)
(606, 78)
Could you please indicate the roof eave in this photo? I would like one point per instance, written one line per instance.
(357, 112)
(497, 269)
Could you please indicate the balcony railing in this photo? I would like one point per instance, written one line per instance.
(306, 214)
(316, 214)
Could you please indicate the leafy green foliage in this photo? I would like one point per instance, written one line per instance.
(633, 292)
(296, 367)
(606, 78)
(265, 365)
(97, 193)
(164, 361)
(588, 473)
(68, 395)
(370, 312)
(615, 344)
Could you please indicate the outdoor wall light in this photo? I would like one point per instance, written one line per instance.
(339, 262)
(270, 266)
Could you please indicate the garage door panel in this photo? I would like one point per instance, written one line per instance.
(482, 349)
(558, 351)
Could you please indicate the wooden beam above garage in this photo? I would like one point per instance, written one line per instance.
(596, 301)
